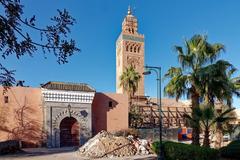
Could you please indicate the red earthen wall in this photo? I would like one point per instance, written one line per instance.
(109, 118)
(21, 117)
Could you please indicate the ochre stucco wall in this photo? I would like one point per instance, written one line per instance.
(22, 117)
(109, 118)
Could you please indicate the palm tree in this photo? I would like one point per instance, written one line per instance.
(129, 81)
(218, 85)
(221, 126)
(184, 80)
(236, 82)
(217, 82)
(209, 118)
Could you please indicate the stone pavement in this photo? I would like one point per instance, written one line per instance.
(68, 153)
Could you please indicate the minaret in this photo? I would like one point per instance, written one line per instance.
(130, 51)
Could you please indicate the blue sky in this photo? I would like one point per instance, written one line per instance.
(164, 23)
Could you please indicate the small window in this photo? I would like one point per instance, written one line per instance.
(135, 49)
(110, 104)
(5, 99)
(138, 49)
(131, 49)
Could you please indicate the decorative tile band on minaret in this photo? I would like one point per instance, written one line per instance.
(130, 51)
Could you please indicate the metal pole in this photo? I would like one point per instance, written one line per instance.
(159, 112)
(161, 157)
(159, 103)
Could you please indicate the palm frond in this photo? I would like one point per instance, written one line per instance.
(129, 80)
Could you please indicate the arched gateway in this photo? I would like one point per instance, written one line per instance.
(69, 132)
(67, 113)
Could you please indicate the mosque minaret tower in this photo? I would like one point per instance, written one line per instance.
(130, 51)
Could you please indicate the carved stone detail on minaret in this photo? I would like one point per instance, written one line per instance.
(133, 61)
(134, 47)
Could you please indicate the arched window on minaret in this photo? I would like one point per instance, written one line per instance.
(132, 31)
(139, 47)
(135, 49)
(127, 47)
(131, 48)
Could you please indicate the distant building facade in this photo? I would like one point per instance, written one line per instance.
(130, 51)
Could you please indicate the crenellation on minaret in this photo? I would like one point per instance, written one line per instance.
(130, 51)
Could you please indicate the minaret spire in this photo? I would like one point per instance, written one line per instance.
(129, 10)
(129, 24)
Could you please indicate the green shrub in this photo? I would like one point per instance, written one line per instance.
(232, 150)
(180, 151)
(155, 147)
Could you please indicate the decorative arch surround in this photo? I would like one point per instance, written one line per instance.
(68, 113)
(82, 118)
(61, 100)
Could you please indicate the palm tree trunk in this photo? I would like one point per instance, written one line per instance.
(206, 142)
(219, 136)
(130, 118)
(132, 121)
(129, 102)
(195, 127)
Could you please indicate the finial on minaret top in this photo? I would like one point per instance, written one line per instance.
(129, 24)
(129, 10)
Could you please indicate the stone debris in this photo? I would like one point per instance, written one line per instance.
(142, 148)
(105, 144)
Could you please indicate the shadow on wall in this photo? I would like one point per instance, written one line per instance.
(102, 103)
(25, 129)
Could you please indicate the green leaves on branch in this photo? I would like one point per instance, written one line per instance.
(16, 34)
(6, 77)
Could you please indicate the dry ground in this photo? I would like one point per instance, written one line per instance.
(60, 154)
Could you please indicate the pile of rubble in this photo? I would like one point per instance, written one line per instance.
(105, 144)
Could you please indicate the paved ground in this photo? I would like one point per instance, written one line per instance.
(60, 154)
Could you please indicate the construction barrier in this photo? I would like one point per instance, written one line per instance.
(184, 134)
